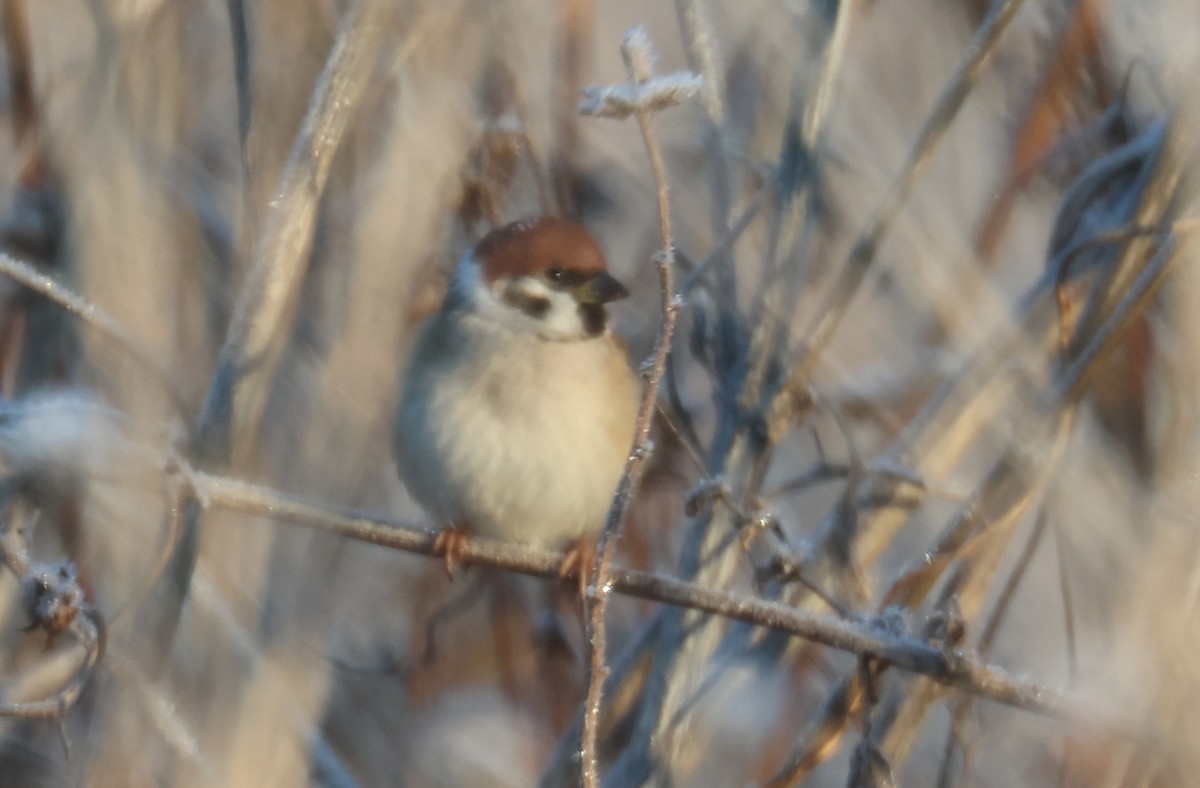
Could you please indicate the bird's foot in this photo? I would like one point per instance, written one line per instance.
(577, 564)
(450, 545)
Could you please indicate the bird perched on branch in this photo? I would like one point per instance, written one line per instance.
(518, 408)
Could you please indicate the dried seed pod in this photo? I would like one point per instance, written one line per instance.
(52, 596)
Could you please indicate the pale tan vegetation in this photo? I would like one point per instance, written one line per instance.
(913, 498)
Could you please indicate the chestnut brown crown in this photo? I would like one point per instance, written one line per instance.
(546, 274)
(535, 246)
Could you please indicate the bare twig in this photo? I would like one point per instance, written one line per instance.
(1005, 492)
(988, 518)
(975, 566)
(96, 318)
(961, 671)
(626, 675)
(160, 710)
(740, 453)
(862, 254)
(643, 94)
(263, 315)
(1068, 603)
(821, 472)
(239, 39)
(725, 244)
(991, 627)
(831, 68)
(703, 55)
(178, 488)
(257, 334)
(679, 419)
(1005, 485)
(243, 84)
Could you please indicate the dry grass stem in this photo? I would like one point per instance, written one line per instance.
(650, 96)
(915, 287)
(263, 314)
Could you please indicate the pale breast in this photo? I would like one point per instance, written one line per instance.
(519, 437)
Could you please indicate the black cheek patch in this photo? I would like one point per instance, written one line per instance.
(594, 318)
(532, 305)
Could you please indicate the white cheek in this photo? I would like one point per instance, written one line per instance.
(561, 321)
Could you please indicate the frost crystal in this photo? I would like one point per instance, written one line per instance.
(639, 52)
(657, 93)
(645, 93)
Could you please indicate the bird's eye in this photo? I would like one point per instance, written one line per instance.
(554, 274)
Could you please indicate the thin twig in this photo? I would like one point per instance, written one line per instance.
(821, 472)
(970, 583)
(243, 84)
(263, 314)
(262, 318)
(740, 453)
(961, 671)
(1068, 603)
(627, 673)
(862, 254)
(991, 627)
(239, 39)
(984, 520)
(817, 110)
(178, 487)
(96, 318)
(639, 63)
(1073, 378)
(160, 711)
(703, 56)
(725, 245)
(1068, 385)
(679, 418)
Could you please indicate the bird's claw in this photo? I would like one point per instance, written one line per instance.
(451, 545)
(577, 564)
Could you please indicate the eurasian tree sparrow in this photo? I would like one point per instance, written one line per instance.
(518, 408)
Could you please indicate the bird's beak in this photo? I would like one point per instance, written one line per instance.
(600, 289)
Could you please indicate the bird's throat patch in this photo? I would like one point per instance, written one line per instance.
(594, 318)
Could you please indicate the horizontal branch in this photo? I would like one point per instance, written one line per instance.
(959, 670)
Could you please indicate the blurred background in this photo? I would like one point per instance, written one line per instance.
(935, 371)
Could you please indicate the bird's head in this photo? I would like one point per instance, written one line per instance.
(546, 276)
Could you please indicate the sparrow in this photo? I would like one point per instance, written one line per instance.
(518, 407)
